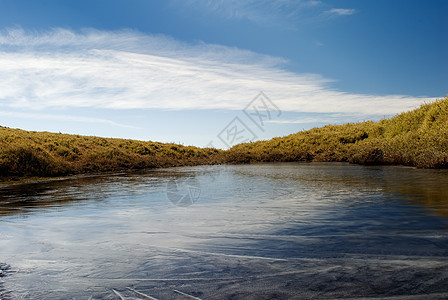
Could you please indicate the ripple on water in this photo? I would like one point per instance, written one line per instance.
(248, 232)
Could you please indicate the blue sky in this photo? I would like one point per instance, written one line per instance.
(184, 71)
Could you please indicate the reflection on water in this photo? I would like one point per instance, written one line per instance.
(229, 232)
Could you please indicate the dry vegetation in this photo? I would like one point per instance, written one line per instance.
(44, 154)
(416, 138)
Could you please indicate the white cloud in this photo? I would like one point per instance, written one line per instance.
(341, 11)
(130, 70)
(307, 120)
(284, 14)
(59, 117)
(333, 118)
(280, 13)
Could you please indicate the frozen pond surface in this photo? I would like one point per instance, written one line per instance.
(268, 231)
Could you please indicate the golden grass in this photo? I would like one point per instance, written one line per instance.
(416, 138)
(28, 153)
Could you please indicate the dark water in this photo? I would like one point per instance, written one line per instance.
(270, 231)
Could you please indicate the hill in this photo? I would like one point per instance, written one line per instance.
(44, 154)
(415, 138)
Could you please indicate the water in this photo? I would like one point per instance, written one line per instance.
(268, 231)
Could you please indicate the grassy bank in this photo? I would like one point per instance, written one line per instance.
(416, 138)
(44, 154)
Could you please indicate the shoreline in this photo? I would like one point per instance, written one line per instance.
(31, 180)
(418, 138)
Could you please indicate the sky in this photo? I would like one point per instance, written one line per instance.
(216, 72)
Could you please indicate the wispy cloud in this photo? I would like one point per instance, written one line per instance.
(61, 117)
(324, 118)
(341, 11)
(130, 70)
(287, 14)
(308, 120)
(280, 13)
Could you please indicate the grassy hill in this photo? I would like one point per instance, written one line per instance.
(44, 154)
(416, 138)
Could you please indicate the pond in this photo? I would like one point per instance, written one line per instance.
(262, 231)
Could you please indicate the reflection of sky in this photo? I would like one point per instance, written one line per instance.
(123, 224)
